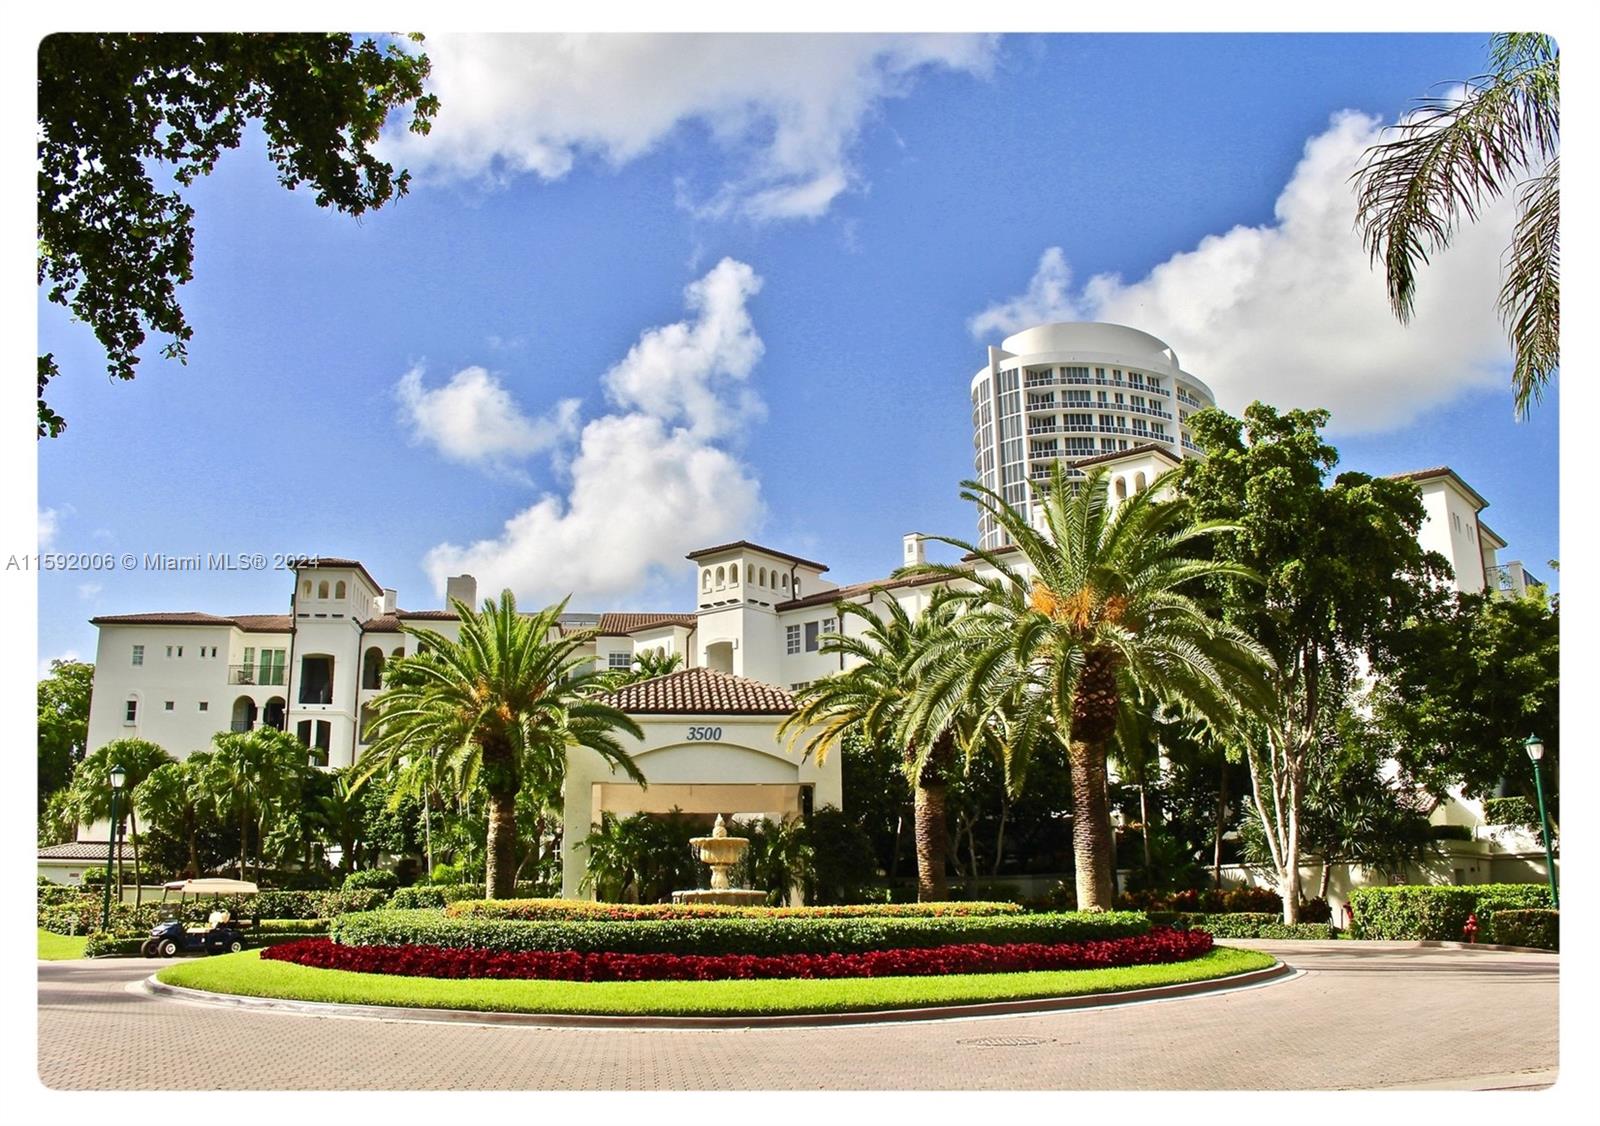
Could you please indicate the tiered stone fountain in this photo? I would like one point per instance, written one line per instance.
(721, 852)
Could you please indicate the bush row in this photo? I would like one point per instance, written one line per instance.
(1437, 913)
(582, 909)
(1243, 924)
(726, 936)
(434, 961)
(1207, 900)
(80, 913)
(1532, 927)
(102, 945)
(441, 895)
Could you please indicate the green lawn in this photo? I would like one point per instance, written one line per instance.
(246, 974)
(58, 947)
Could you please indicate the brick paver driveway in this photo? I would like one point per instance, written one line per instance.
(1361, 1015)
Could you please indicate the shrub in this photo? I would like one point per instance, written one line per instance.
(1437, 913)
(726, 936)
(1450, 832)
(1212, 900)
(94, 877)
(583, 909)
(1511, 811)
(371, 879)
(1258, 924)
(440, 895)
(433, 961)
(1315, 911)
(447, 874)
(1528, 927)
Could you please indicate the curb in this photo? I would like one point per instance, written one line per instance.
(1250, 978)
(1442, 944)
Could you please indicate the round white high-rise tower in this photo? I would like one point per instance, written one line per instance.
(1070, 391)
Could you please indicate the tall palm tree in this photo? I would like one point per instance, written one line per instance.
(502, 704)
(91, 791)
(1098, 606)
(878, 699)
(1448, 161)
(247, 775)
(171, 798)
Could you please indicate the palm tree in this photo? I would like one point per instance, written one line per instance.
(340, 814)
(248, 774)
(91, 791)
(502, 704)
(1454, 156)
(171, 798)
(1099, 609)
(880, 700)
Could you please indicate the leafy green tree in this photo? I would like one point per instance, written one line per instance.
(116, 109)
(91, 789)
(1453, 157)
(1460, 690)
(842, 863)
(502, 704)
(779, 858)
(63, 724)
(171, 798)
(1097, 607)
(876, 699)
(1339, 570)
(249, 776)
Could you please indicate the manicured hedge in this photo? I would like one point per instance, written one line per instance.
(726, 936)
(371, 879)
(1437, 913)
(1251, 924)
(440, 895)
(582, 909)
(1533, 927)
(434, 961)
(132, 946)
(1208, 900)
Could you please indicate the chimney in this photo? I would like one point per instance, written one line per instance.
(915, 550)
(389, 596)
(462, 587)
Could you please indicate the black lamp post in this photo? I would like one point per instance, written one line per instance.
(118, 777)
(1535, 749)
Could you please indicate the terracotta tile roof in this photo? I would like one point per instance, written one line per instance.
(82, 850)
(617, 625)
(264, 623)
(251, 623)
(1135, 451)
(1442, 471)
(855, 590)
(704, 551)
(315, 561)
(701, 692)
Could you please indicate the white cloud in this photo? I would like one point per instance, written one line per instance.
(1293, 313)
(788, 107)
(474, 420)
(648, 482)
(88, 592)
(49, 525)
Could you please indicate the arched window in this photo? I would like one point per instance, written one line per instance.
(372, 668)
(305, 589)
(761, 577)
(1138, 482)
(722, 577)
(733, 575)
(749, 573)
(705, 579)
(399, 651)
(1122, 488)
(786, 582)
(338, 589)
(322, 589)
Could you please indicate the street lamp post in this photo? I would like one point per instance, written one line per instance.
(118, 777)
(1535, 749)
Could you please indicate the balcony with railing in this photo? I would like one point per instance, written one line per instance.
(1043, 428)
(1048, 403)
(256, 674)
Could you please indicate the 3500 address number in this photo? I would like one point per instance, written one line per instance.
(704, 734)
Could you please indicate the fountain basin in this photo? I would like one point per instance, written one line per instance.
(725, 897)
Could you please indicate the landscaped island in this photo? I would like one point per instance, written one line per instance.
(563, 956)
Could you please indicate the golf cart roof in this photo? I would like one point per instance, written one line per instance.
(213, 887)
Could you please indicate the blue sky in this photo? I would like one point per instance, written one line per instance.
(749, 305)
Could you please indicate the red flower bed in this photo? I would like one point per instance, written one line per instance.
(1161, 945)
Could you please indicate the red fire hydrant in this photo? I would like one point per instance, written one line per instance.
(1471, 929)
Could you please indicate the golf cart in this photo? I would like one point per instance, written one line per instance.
(221, 934)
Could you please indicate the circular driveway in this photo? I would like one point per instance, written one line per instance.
(1361, 1015)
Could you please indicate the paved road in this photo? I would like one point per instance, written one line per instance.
(1361, 1015)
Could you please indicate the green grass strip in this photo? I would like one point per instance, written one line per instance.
(59, 947)
(246, 974)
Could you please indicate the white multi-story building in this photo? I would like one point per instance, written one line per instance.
(1074, 392)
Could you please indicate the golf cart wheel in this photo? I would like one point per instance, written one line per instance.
(235, 946)
(167, 948)
(148, 948)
